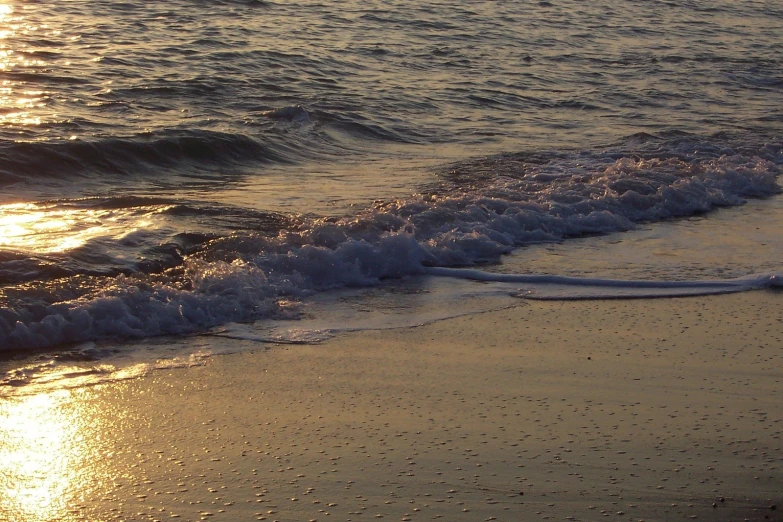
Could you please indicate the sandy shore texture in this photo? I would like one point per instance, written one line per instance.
(666, 409)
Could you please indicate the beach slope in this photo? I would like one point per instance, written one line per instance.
(664, 409)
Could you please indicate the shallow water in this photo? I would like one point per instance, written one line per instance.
(713, 247)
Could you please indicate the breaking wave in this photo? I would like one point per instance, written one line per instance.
(499, 204)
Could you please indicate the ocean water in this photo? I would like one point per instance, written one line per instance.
(177, 174)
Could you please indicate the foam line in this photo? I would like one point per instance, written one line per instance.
(552, 287)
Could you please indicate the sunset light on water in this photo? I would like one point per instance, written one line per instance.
(390, 259)
(49, 228)
(18, 102)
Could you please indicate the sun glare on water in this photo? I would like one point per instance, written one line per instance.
(17, 102)
(47, 228)
(35, 228)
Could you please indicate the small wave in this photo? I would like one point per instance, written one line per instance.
(44, 78)
(550, 198)
(246, 3)
(291, 113)
(108, 236)
(117, 156)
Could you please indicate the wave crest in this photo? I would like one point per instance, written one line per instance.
(123, 156)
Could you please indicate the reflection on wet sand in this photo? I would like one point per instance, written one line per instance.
(49, 456)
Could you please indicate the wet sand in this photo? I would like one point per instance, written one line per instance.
(666, 409)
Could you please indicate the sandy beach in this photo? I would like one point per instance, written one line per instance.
(663, 409)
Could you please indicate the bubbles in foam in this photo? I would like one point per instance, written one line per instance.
(247, 276)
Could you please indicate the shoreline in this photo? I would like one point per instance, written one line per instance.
(626, 410)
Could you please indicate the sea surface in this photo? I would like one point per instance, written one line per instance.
(174, 175)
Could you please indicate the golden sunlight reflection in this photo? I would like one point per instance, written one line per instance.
(17, 102)
(47, 228)
(48, 455)
(5, 10)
